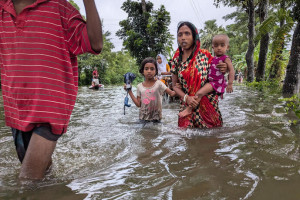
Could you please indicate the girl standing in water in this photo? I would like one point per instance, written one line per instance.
(149, 93)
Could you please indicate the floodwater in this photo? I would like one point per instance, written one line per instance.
(108, 155)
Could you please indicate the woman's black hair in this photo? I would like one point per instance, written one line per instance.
(190, 25)
(148, 60)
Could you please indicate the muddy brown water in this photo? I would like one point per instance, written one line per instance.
(108, 155)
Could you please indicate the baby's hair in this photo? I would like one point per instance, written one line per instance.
(222, 35)
(148, 60)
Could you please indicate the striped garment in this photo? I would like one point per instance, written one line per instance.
(39, 72)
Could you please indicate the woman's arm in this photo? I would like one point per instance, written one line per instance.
(190, 100)
(93, 24)
(222, 67)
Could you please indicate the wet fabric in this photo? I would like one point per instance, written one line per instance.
(217, 78)
(22, 139)
(39, 68)
(192, 75)
(151, 101)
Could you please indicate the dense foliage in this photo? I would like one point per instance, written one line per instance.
(145, 33)
(111, 65)
(208, 32)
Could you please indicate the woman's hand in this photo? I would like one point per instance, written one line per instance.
(192, 101)
(222, 67)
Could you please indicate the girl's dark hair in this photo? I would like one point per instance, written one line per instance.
(190, 25)
(148, 60)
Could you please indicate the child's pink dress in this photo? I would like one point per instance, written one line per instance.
(215, 77)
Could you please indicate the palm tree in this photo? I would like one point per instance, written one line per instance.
(286, 23)
(208, 32)
(264, 42)
(237, 32)
(292, 79)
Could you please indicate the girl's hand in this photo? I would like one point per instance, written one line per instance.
(173, 93)
(125, 87)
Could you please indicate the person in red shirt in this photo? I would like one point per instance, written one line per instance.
(39, 44)
(95, 80)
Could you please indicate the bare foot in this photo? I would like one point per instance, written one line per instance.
(185, 112)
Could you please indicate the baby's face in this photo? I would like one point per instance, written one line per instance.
(220, 45)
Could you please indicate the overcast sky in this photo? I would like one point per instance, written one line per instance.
(195, 11)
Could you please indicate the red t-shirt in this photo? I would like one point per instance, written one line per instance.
(95, 74)
(39, 71)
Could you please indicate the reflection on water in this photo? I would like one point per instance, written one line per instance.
(109, 155)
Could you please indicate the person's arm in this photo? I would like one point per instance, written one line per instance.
(94, 26)
(229, 88)
(167, 70)
(170, 92)
(166, 73)
(190, 100)
(136, 101)
(223, 67)
(178, 90)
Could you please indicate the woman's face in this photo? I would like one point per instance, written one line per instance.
(159, 59)
(185, 37)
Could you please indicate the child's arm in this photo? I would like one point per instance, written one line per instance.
(93, 25)
(136, 101)
(170, 92)
(229, 88)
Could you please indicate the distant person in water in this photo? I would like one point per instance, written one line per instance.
(95, 80)
(217, 81)
(240, 76)
(149, 92)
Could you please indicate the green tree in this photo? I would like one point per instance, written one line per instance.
(111, 65)
(264, 42)
(207, 33)
(283, 23)
(292, 79)
(237, 32)
(87, 62)
(74, 4)
(145, 32)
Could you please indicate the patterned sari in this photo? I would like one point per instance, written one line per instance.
(192, 75)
